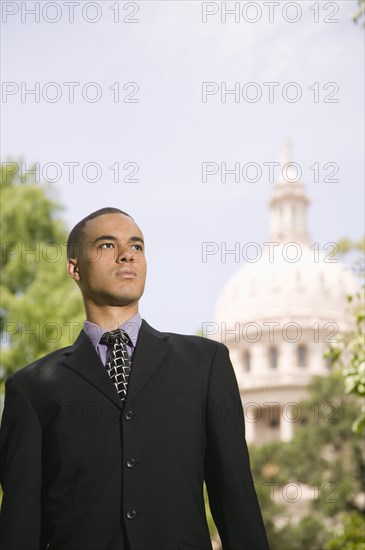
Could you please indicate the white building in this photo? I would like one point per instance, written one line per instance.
(279, 314)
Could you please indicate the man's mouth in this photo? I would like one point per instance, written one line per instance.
(126, 273)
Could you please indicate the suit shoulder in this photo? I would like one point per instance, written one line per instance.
(39, 366)
(196, 341)
(184, 339)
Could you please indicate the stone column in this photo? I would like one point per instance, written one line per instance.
(286, 424)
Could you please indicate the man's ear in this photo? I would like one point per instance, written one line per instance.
(73, 269)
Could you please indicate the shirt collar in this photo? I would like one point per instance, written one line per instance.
(131, 327)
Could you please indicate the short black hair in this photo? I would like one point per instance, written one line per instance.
(75, 237)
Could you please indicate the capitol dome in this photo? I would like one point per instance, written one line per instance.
(291, 280)
(281, 311)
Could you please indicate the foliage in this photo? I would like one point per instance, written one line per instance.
(351, 534)
(324, 459)
(211, 524)
(350, 354)
(348, 351)
(41, 308)
(346, 245)
(360, 14)
(307, 534)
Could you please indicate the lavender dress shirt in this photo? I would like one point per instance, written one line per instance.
(95, 332)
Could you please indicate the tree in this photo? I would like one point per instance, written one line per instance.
(349, 352)
(325, 457)
(350, 535)
(360, 12)
(41, 308)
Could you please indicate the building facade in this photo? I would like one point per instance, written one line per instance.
(279, 314)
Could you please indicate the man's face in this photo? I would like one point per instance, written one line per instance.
(111, 267)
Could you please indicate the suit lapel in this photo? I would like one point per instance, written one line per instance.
(151, 349)
(83, 359)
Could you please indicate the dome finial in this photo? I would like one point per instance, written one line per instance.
(287, 156)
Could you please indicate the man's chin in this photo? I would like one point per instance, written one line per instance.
(124, 300)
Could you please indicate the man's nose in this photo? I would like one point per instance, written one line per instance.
(124, 254)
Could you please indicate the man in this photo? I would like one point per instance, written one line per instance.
(105, 444)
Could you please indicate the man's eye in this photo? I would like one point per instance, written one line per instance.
(107, 245)
(137, 247)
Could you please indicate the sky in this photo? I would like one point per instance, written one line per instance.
(141, 106)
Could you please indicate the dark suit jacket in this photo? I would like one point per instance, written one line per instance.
(80, 471)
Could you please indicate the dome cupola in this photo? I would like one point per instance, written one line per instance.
(288, 203)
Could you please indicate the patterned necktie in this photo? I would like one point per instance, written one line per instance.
(119, 364)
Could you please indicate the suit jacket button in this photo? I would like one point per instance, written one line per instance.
(128, 415)
(130, 462)
(131, 514)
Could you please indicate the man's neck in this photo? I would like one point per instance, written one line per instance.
(109, 317)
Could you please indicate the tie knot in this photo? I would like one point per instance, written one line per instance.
(118, 335)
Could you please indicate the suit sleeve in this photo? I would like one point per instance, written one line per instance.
(232, 496)
(20, 472)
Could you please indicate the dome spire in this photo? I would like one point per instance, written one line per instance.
(286, 155)
(289, 202)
